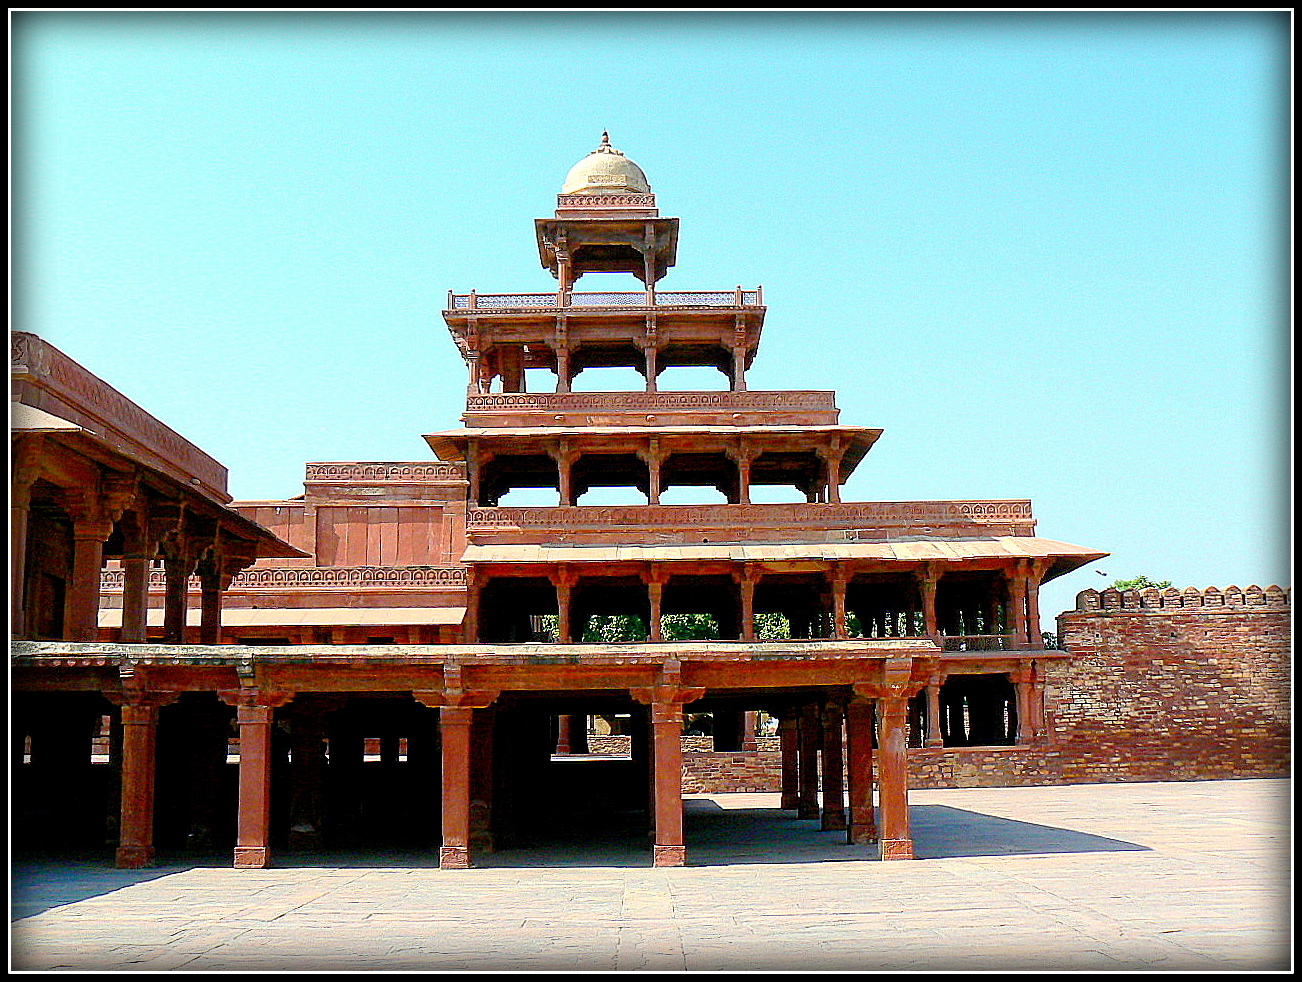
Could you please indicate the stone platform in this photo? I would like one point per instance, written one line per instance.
(1172, 876)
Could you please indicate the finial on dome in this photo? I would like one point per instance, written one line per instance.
(605, 145)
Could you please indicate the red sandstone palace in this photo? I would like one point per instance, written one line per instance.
(400, 652)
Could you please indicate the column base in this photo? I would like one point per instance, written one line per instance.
(896, 848)
(861, 835)
(454, 857)
(934, 742)
(833, 821)
(668, 856)
(134, 857)
(806, 811)
(252, 857)
(789, 802)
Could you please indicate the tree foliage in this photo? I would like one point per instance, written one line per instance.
(1140, 582)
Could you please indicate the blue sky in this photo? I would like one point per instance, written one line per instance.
(1047, 254)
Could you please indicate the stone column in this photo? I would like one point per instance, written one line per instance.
(862, 827)
(810, 727)
(833, 816)
(1033, 634)
(24, 476)
(254, 711)
(666, 701)
(746, 582)
(840, 580)
(178, 564)
(454, 734)
(649, 351)
(1017, 608)
(470, 626)
(748, 742)
(212, 584)
(563, 380)
(655, 588)
(137, 553)
(927, 584)
(139, 758)
(91, 526)
(789, 745)
(564, 580)
(893, 783)
(934, 736)
(667, 759)
(1022, 688)
(565, 458)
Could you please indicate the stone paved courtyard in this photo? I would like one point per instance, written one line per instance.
(1178, 876)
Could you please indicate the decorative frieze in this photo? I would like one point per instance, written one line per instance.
(650, 401)
(298, 577)
(406, 473)
(902, 513)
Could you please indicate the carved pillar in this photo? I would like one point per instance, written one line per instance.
(254, 711)
(136, 555)
(896, 842)
(470, 627)
(746, 582)
(563, 380)
(1022, 688)
(139, 758)
(91, 526)
(789, 745)
(862, 827)
(738, 368)
(833, 816)
(810, 727)
(1017, 607)
(934, 737)
(840, 579)
(927, 583)
(1035, 573)
(456, 705)
(832, 460)
(565, 458)
(748, 742)
(654, 459)
(454, 734)
(655, 588)
(649, 351)
(666, 702)
(212, 583)
(24, 476)
(564, 580)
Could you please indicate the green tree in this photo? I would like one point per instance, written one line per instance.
(1140, 582)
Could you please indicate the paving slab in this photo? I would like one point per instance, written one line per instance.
(1190, 876)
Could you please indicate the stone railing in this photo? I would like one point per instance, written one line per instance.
(370, 472)
(1152, 598)
(536, 301)
(316, 577)
(628, 200)
(822, 515)
(978, 642)
(650, 401)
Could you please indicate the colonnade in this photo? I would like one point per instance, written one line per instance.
(1015, 607)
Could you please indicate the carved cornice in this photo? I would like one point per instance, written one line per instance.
(584, 401)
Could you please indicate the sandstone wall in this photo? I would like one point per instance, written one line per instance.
(1163, 686)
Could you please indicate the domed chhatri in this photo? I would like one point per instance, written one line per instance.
(606, 171)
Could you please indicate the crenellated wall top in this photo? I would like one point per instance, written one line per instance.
(1273, 597)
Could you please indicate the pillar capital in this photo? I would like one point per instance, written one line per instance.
(250, 698)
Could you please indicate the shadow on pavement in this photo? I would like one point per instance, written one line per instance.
(41, 883)
(945, 832)
(716, 836)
